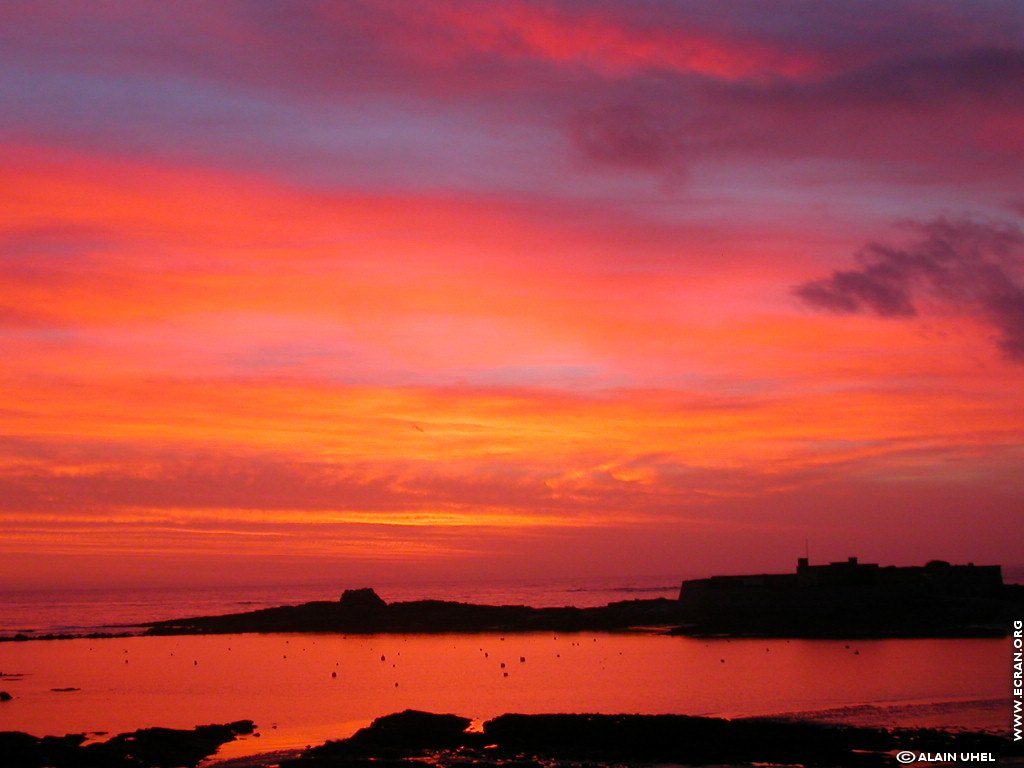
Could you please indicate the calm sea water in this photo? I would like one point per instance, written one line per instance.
(304, 689)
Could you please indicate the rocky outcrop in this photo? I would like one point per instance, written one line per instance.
(146, 748)
(403, 739)
(403, 734)
(362, 611)
(412, 739)
(364, 599)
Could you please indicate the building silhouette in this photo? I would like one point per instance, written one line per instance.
(845, 582)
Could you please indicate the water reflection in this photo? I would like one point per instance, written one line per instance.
(303, 689)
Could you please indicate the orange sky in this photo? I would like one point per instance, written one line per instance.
(464, 292)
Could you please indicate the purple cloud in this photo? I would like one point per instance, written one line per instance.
(628, 136)
(976, 267)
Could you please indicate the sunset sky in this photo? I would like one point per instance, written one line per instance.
(356, 291)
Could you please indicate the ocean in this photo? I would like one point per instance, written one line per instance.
(304, 689)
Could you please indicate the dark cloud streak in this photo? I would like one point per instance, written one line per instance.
(942, 112)
(977, 267)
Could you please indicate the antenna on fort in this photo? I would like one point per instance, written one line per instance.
(807, 550)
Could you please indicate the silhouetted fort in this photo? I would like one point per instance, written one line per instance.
(845, 599)
(815, 585)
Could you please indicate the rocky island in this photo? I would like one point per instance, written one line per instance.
(845, 599)
(362, 611)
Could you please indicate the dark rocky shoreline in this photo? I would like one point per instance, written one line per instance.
(401, 740)
(410, 739)
(145, 748)
(362, 611)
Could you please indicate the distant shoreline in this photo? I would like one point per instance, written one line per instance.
(844, 600)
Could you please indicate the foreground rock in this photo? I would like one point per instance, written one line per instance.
(146, 748)
(404, 734)
(412, 739)
(405, 738)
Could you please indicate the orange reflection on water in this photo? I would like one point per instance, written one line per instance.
(304, 689)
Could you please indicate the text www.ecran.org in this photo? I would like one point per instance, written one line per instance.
(1018, 676)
